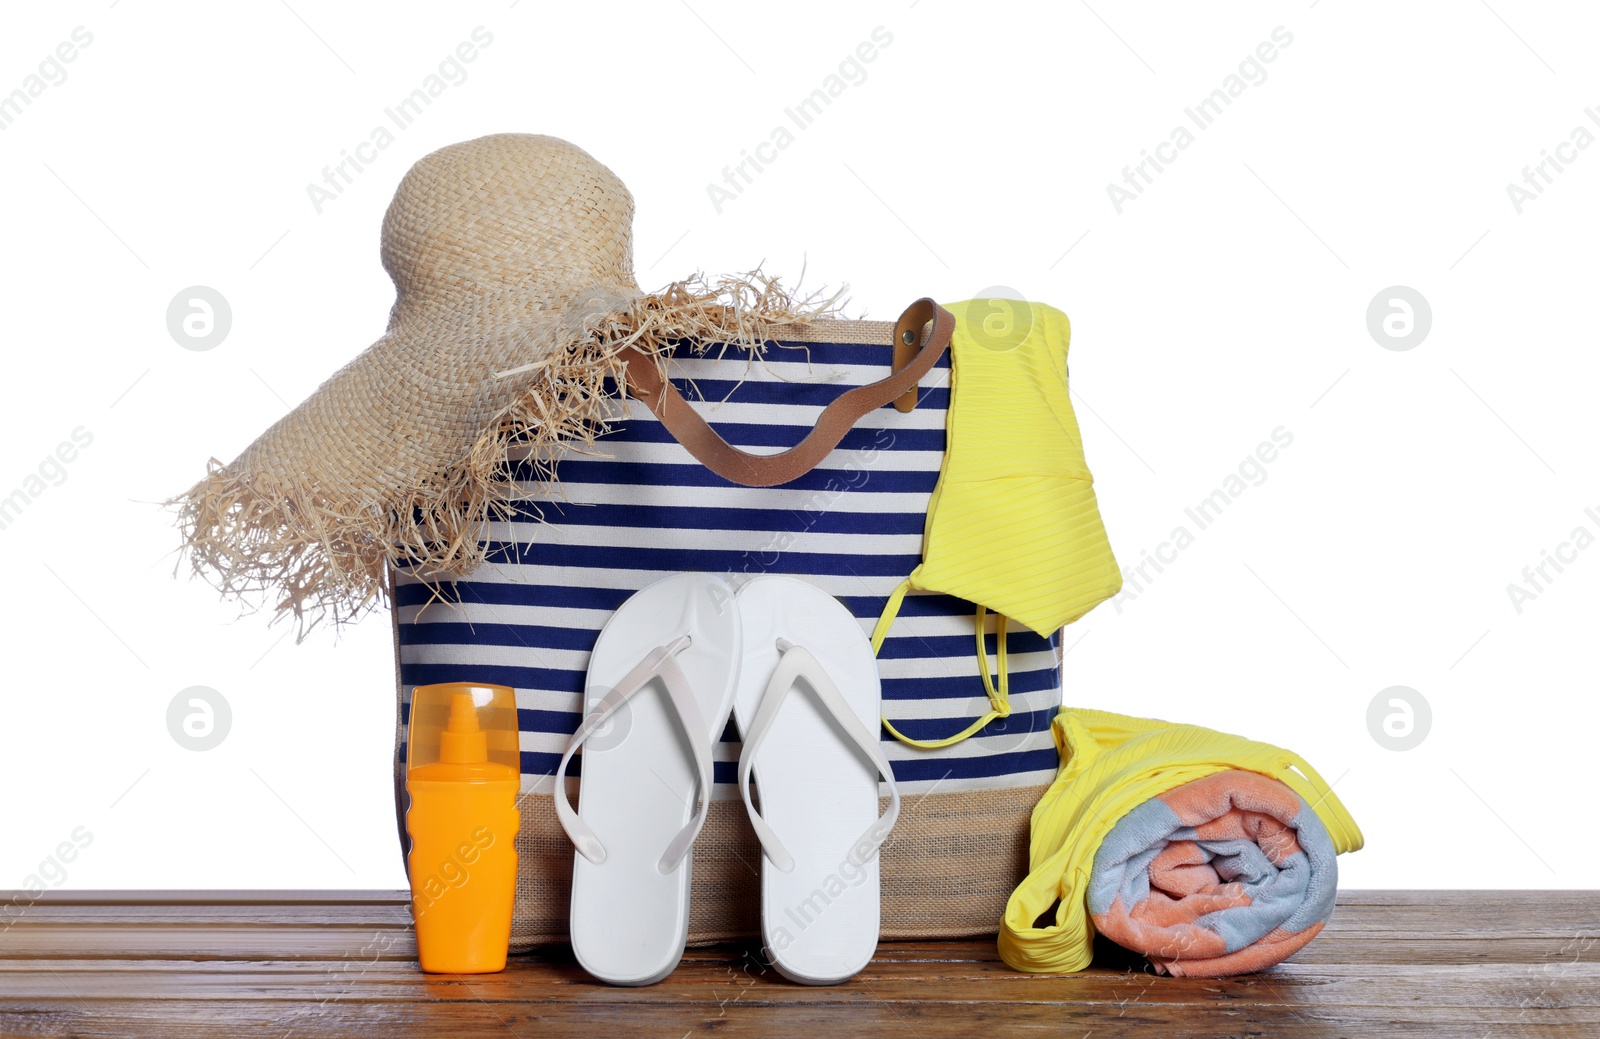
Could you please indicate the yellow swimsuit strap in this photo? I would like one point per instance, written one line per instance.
(999, 696)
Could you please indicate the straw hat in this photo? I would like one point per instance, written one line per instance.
(512, 260)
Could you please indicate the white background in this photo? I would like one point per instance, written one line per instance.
(1229, 299)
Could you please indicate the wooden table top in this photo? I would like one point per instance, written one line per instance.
(1473, 964)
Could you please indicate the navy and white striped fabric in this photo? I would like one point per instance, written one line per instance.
(638, 507)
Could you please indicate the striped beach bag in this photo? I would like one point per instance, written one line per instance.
(639, 505)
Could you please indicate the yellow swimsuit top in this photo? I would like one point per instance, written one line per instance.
(1013, 525)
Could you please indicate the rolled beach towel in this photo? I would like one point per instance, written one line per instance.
(1209, 853)
(1228, 874)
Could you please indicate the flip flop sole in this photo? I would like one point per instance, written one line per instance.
(638, 785)
(817, 790)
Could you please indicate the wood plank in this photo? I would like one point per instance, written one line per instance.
(1565, 986)
(179, 964)
(224, 942)
(115, 1019)
(211, 897)
(1437, 914)
(390, 938)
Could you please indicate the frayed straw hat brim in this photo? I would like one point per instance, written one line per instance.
(515, 301)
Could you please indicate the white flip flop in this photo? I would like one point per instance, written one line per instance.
(663, 669)
(808, 708)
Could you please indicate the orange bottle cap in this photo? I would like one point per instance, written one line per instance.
(463, 723)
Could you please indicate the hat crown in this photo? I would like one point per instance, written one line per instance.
(521, 213)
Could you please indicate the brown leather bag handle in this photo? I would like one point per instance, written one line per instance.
(741, 467)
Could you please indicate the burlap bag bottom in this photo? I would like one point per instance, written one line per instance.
(946, 872)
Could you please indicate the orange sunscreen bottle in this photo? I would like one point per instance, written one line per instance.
(462, 774)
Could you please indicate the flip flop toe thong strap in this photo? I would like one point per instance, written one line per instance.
(659, 663)
(795, 663)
